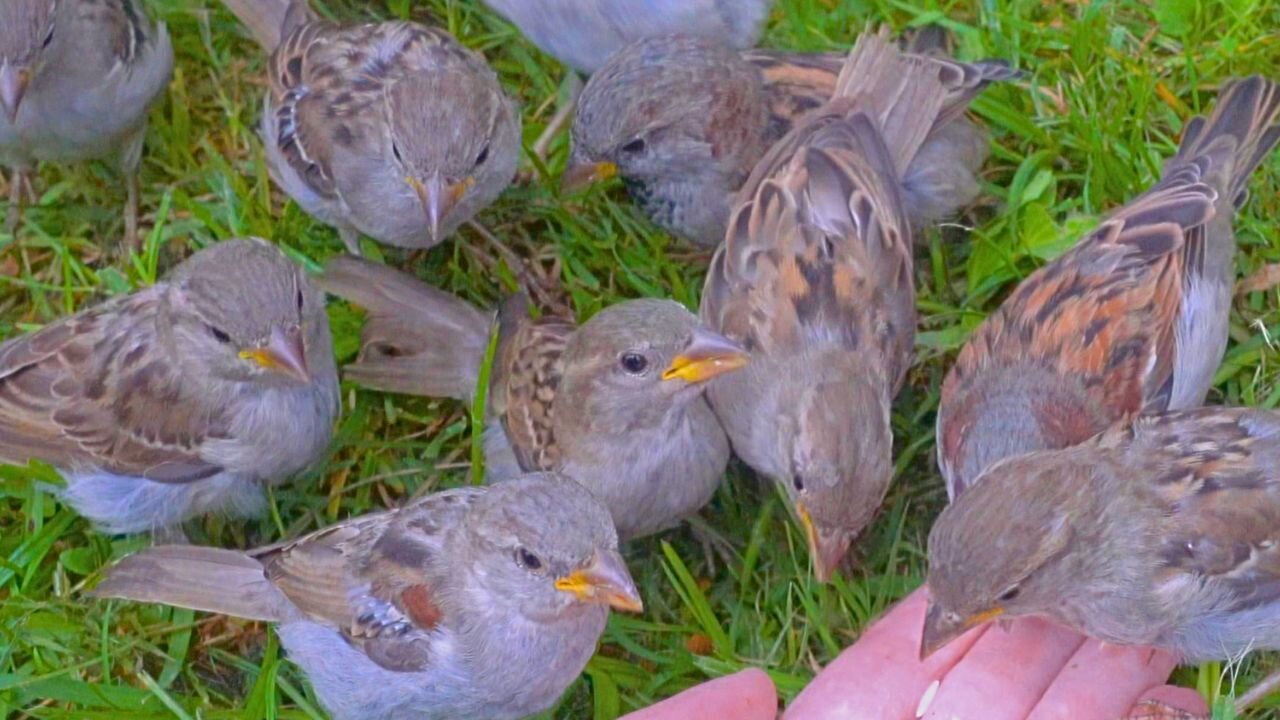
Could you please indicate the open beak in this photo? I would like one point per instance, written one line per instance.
(439, 198)
(941, 627)
(603, 580)
(283, 353)
(826, 547)
(582, 175)
(13, 85)
(707, 355)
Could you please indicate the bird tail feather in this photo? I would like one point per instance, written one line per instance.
(417, 339)
(201, 578)
(1242, 130)
(269, 21)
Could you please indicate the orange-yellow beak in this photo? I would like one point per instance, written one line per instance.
(578, 176)
(439, 198)
(13, 85)
(604, 580)
(284, 353)
(707, 355)
(826, 547)
(942, 626)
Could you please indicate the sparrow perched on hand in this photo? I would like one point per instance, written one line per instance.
(481, 602)
(584, 35)
(392, 129)
(616, 403)
(683, 121)
(76, 80)
(179, 399)
(1132, 319)
(815, 279)
(1164, 531)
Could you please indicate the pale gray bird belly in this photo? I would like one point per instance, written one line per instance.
(516, 670)
(277, 434)
(652, 479)
(1227, 636)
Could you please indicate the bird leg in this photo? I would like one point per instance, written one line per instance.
(131, 242)
(572, 86)
(170, 535)
(713, 544)
(351, 238)
(19, 180)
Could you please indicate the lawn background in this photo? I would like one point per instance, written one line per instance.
(1110, 87)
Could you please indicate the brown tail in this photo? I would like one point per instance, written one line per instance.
(1241, 132)
(200, 578)
(417, 340)
(269, 20)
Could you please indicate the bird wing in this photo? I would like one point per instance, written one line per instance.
(1214, 469)
(818, 251)
(1104, 312)
(526, 374)
(371, 578)
(95, 390)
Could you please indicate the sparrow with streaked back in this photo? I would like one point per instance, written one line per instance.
(683, 121)
(179, 399)
(815, 279)
(480, 603)
(1133, 319)
(394, 129)
(615, 403)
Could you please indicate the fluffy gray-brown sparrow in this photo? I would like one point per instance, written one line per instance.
(392, 129)
(1162, 531)
(616, 403)
(179, 399)
(1132, 319)
(76, 80)
(584, 34)
(814, 278)
(683, 121)
(480, 603)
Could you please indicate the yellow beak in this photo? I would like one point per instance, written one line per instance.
(941, 627)
(579, 176)
(284, 353)
(604, 580)
(826, 548)
(707, 355)
(13, 85)
(439, 198)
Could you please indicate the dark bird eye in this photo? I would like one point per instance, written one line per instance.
(484, 155)
(527, 560)
(395, 150)
(798, 482)
(300, 299)
(219, 335)
(1010, 595)
(634, 363)
(48, 39)
(634, 147)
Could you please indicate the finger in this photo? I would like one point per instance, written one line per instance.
(1167, 702)
(1006, 672)
(1101, 682)
(747, 695)
(880, 676)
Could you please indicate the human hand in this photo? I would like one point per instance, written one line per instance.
(1032, 671)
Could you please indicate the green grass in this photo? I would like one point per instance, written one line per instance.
(1111, 84)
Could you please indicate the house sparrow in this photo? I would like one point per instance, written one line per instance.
(479, 602)
(815, 279)
(1132, 319)
(76, 80)
(392, 129)
(583, 35)
(683, 121)
(1159, 532)
(179, 399)
(616, 403)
